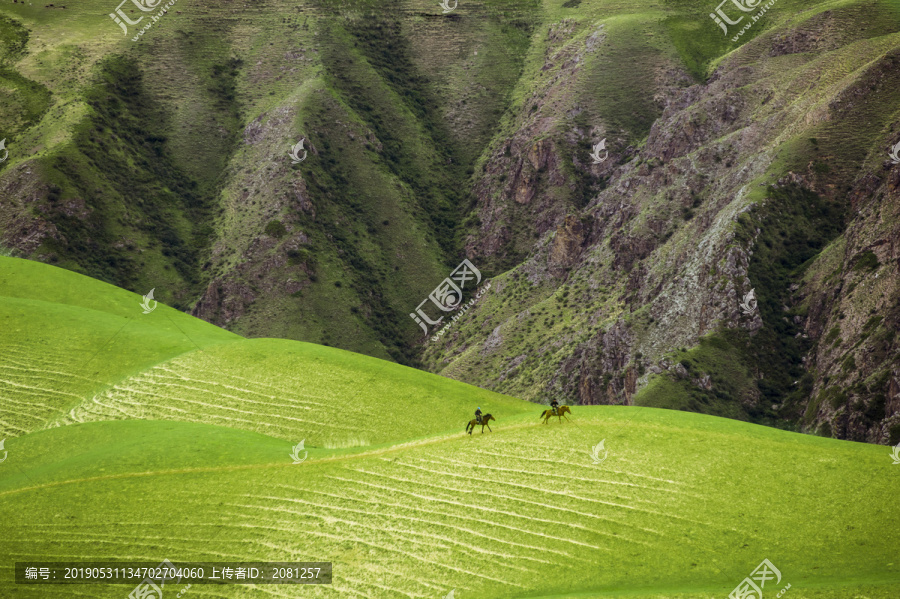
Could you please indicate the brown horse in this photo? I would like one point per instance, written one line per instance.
(484, 423)
(560, 411)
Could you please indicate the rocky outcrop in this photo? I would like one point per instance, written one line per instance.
(567, 243)
(854, 301)
(227, 299)
(24, 196)
(527, 183)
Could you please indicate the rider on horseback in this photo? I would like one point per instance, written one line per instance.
(553, 405)
(478, 414)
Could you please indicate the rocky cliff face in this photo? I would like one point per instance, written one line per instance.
(745, 183)
(853, 294)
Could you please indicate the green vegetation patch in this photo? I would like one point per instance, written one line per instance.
(23, 103)
(795, 224)
(716, 356)
(699, 41)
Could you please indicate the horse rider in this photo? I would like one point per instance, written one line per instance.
(478, 414)
(553, 405)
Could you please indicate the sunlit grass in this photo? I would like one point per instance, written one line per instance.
(684, 505)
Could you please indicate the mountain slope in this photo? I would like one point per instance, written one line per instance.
(66, 337)
(752, 179)
(174, 172)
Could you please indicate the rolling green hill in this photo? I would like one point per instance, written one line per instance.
(685, 505)
(85, 350)
(187, 457)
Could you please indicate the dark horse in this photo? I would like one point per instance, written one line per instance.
(484, 423)
(560, 411)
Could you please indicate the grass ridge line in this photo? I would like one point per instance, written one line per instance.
(369, 453)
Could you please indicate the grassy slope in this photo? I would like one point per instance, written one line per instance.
(295, 390)
(65, 337)
(684, 503)
(86, 351)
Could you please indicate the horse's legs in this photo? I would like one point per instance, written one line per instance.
(489, 428)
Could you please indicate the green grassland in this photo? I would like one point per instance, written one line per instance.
(684, 503)
(175, 439)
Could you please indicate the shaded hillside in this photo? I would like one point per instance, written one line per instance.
(164, 163)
